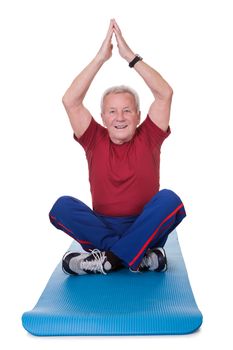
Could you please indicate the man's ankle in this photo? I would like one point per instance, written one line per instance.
(114, 260)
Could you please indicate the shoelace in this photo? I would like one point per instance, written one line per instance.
(146, 261)
(95, 265)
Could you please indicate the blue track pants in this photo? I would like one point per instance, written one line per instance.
(127, 237)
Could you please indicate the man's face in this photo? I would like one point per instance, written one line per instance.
(120, 116)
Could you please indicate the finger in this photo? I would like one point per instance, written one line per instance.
(108, 37)
(110, 30)
(116, 26)
(118, 35)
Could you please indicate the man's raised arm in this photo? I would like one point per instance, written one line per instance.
(159, 111)
(79, 116)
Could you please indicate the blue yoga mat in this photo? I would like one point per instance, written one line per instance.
(120, 303)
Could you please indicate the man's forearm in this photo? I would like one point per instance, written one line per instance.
(75, 94)
(159, 87)
(152, 78)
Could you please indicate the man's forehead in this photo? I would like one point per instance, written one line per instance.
(117, 97)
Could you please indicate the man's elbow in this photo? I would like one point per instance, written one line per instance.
(165, 94)
(168, 93)
(65, 101)
(68, 102)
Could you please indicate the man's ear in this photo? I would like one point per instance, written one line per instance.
(139, 117)
(103, 119)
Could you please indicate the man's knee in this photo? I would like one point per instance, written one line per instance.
(169, 194)
(59, 206)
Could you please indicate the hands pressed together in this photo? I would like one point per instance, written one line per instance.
(80, 117)
(105, 51)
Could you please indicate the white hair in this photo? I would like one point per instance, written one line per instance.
(119, 90)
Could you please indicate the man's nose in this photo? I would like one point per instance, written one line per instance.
(120, 117)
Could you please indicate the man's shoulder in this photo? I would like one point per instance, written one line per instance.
(93, 134)
(143, 125)
(151, 132)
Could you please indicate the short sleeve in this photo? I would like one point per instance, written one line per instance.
(91, 135)
(155, 135)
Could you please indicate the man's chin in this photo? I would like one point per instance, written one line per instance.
(120, 139)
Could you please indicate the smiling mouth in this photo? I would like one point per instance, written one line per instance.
(120, 127)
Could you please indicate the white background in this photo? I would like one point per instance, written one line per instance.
(44, 45)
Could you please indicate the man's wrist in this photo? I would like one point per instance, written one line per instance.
(136, 59)
(130, 56)
(99, 60)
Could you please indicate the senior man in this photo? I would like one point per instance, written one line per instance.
(131, 218)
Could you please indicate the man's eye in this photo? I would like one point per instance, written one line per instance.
(111, 112)
(127, 110)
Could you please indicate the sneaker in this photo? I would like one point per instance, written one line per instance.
(154, 260)
(74, 263)
(71, 260)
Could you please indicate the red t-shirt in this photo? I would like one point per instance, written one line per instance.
(123, 178)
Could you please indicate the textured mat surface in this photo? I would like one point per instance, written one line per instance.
(120, 303)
